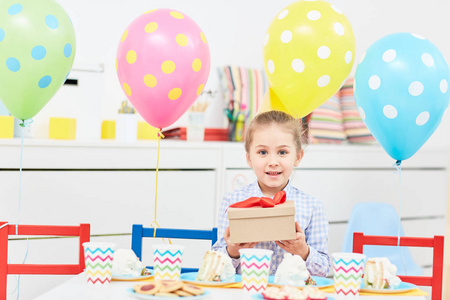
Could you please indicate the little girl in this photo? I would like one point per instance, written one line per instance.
(273, 148)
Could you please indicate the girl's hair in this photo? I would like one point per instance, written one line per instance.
(297, 127)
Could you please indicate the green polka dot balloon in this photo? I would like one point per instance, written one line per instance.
(37, 49)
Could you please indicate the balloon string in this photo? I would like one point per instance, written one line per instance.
(25, 123)
(155, 224)
(398, 166)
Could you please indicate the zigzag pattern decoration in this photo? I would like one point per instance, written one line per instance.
(98, 265)
(98, 281)
(254, 265)
(255, 272)
(99, 250)
(168, 260)
(249, 258)
(341, 291)
(98, 273)
(168, 252)
(167, 264)
(98, 257)
(347, 277)
(101, 265)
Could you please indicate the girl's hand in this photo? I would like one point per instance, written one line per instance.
(233, 249)
(297, 246)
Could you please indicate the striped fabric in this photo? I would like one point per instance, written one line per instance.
(354, 127)
(243, 88)
(326, 123)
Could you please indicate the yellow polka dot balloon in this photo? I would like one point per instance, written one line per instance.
(163, 62)
(309, 49)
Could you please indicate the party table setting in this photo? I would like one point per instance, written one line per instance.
(118, 274)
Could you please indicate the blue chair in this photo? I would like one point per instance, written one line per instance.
(140, 232)
(376, 218)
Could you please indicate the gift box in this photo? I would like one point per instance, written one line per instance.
(260, 224)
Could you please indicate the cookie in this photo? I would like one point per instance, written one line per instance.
(148, 288)
(168, 286)
(194, 290)
(182, 293)
(160, 294)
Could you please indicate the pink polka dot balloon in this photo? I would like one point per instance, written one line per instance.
(163, 64)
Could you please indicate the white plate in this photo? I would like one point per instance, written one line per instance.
(321, 282)
(403, 287)
(151, 297)
(191, 276)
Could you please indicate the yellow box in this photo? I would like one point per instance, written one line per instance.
(146, 131)
(6, 127)
(109, 129)
(62, 128)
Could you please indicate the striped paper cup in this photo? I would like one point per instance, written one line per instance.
(98, 259)
(348, 269)
(167, 261)
(255, 268)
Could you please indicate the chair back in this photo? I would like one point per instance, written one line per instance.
(139, 232)
(82, 231)
(436, 242)
(377, 218)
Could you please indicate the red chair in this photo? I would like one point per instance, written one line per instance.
(82, 231)
(436, 242)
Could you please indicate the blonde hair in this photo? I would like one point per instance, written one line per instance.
(297, 127)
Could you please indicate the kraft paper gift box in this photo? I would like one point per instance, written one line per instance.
(62, 128)
(258, 224)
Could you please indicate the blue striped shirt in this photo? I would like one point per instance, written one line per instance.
(310, 214)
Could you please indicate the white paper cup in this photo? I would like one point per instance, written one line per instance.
(167, 261)
(348, 269)
(196, 126)
(255, 268)
(98, 259)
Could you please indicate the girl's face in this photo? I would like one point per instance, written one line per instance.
(273, 156)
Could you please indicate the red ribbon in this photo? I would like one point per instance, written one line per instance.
(279, 198)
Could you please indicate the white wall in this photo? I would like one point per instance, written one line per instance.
(235, 30)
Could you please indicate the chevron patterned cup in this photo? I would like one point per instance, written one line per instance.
(98, 259)
(167, 261)
(348, 270)
(255, 268)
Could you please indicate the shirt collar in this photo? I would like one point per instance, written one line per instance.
(256, 190)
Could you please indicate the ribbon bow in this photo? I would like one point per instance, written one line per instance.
(279, 198)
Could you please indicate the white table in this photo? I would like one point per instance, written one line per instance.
(77, 289)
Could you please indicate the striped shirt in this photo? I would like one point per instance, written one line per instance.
(310, 214)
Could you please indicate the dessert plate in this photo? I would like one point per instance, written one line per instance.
(403, 287)
(152, 297)
(191, 276)
(131, 278)
(321, 282)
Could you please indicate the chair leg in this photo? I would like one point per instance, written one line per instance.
(3, 259)
(136, 240)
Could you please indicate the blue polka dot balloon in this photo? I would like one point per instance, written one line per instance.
(401, 91)
(37, 49)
